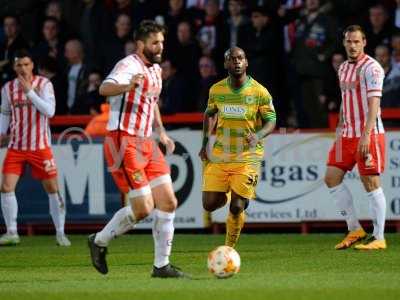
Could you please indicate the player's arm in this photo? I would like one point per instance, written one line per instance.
(5, 114)
(123, 78)
(109, 88)
(374, 82)
(268, 127)
(340, 122)
(209, 122)
(373, 108)
(45, 102)
(159, 128)
(268, 116)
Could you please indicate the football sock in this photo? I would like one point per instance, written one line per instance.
(122, 221)
(378, 211)
(234, 224)
(9, 208)
(163, 234)
(207, 218)
(344, 202)
(57, 211)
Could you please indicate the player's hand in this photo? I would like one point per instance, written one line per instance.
(26, 85)
(3, 140)
(167, 142)
(252, 139)
(136, 80)
(363, 145)
(203, 154)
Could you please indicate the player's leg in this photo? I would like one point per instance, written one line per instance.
(345, 204)
(122, 221)
(126, 218)
(9, 207)
(165, 203)
(132, 180)
(214, 200)
(243, 180)
(370, 168)
(163, 227)
(236, 219)
(13, 167)
(215, 186)
(377, 205)
(45, 170)
(342, 158)
(57, 208)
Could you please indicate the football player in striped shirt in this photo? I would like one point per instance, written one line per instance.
(360, 141)
(245, 116)
(27, 103)
(135, 161)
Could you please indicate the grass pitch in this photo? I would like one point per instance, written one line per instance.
(273, 267)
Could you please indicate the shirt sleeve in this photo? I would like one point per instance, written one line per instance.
(45, 101)
(374, 76)
(5, 114)
(123, 72)
(266, 107)
(212, 107)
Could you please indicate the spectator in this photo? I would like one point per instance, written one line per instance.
(378, 29)
(256, 40)
(77, 78)
(396, 49)
(47, 67)
(93, 26)
(235, 21)
(391, 83)
(54, 10)
(13, 41)
(208, 76)
(396, 16)
(113, 48)
(200, 4)
(173, 94)
(176, 13)
(331, 95)
(137, 10)
(51, 45)
(92, 98)
(211, 34)
(118, 7)
(185, 55)
(129, 47)
(315, 42)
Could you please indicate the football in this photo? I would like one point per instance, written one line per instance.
(223, 262)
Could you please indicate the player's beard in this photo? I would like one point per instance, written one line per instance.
(151, 57)
(354, 56)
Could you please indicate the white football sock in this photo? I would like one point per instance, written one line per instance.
(57, 211)
(163, 234)
(9, 207)
(344, 202)
(372, 213)
(122, 221)
(378, 208)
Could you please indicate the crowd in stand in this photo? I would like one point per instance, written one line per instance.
(293, 48)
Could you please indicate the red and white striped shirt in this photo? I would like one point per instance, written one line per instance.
(359, 81)
(133, 112)
(29, 127)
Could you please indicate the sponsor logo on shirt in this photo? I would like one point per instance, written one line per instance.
(234, 111)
